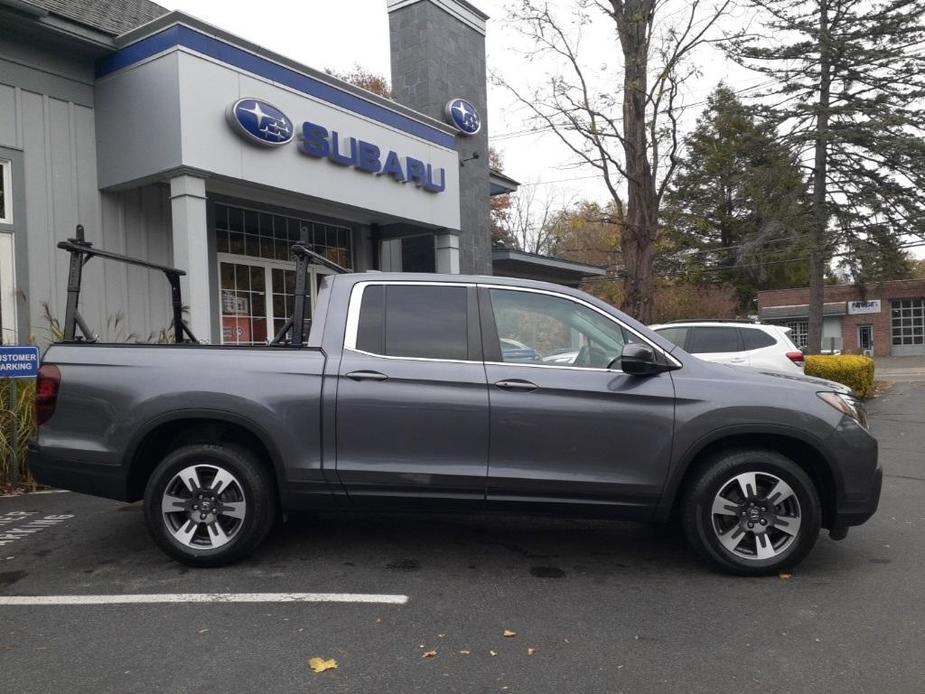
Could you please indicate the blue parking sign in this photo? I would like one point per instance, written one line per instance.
(19, 362)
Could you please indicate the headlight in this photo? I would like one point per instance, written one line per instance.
(848, 405)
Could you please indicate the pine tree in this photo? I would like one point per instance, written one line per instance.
(848, 87)
(738, 209)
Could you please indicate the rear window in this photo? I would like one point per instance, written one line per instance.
(676, 336)
(426, 322)
(752, 338)
(715, 339)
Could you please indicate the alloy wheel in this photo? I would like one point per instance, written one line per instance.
(756, 516)
(203, 506)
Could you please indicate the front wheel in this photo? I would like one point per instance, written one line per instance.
(752, 512)
(209, 504)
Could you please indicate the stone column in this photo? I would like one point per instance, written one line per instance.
(191, 250)
(438, 54)
(448, 254)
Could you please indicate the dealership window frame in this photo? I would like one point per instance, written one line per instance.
(9, 334)
(6, 191)
(264, 320)
(799, 332)
(907, 321)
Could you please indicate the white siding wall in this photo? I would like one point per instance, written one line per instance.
(48, 115)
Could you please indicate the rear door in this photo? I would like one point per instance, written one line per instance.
(718, 343)
(412, 400)
(583, 435)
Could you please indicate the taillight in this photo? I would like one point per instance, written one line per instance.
(797, 358)
(46, 392)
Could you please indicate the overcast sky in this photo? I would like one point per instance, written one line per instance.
(340, 34)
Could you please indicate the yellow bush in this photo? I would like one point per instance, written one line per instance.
(854, 371)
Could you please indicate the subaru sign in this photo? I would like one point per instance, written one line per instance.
(364, 156)
(19, 362)
(260, 122)
(462, 115)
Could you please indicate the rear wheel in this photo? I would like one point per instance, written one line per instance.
(209, 504)
(752, 512)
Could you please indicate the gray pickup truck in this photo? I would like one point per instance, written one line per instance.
(450, 393)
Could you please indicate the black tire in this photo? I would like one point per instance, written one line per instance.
(250, 493)
(721, 474)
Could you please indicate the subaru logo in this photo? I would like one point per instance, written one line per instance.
(260, 122)
(463, 115)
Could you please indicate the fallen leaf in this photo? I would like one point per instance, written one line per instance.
(531, 651)
(320, 664)
(430, 654)
(492, 652)
(508, 633)
(465, 652)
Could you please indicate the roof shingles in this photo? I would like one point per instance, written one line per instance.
(110, 16)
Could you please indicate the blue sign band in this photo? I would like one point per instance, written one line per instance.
(222, 51)
(19, 362)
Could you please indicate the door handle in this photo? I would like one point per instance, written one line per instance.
(367, 376)
(516, 384)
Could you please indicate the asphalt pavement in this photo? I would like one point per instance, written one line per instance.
(595, 606)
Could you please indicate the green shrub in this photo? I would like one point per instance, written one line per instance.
(854, 371)
(16, 426)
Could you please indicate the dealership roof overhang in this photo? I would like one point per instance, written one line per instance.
(801, 311)
(501, 184)
(176, 79)
(507, 262)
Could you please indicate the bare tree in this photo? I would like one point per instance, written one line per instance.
(631, 135)
(531, 215)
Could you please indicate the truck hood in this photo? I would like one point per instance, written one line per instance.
(743, 374)
(803, 378)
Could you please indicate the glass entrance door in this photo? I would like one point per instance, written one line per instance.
(257, 297)
(866, 338)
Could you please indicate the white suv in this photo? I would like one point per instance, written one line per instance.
(759, 345)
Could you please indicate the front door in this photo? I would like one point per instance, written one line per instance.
(567, 425)
(866, 339)
(412, 402)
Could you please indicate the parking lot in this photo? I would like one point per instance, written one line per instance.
(596, 606)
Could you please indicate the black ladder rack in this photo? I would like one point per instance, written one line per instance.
(82, 252)
(295, 325)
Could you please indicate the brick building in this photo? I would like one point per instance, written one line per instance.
(880, 319)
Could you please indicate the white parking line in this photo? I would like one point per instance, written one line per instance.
(156, 598)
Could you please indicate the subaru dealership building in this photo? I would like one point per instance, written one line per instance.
(176, 142)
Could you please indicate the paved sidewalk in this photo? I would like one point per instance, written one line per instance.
(900, 368)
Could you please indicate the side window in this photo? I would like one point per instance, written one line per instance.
(715, 339)
(543, 329)
(752, 338)
(676, 336)
(414, 321)
(6, 192)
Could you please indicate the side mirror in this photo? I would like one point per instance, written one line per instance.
(639, 359)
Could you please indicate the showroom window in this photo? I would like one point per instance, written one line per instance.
(908, 321)
(242, 231)
(257, 274)
(799, 332)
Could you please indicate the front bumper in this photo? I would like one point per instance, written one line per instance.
(859, 477)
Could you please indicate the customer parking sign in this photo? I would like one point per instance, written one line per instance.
(19, 362)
